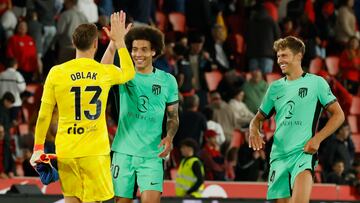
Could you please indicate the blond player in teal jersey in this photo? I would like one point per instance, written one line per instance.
(297, 101)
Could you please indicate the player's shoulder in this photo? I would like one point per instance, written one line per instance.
(277, 83)
(314, 78)
(164, 75)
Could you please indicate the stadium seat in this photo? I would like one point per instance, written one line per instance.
(270, 77)
(213, 79)
(23, 129)
(318, 174)
(353, 123)
(355, 106)
(178, 21)
(237, 139)
(32, 87)
(332, 64)
(239, 39)
(316, 65)
(356, 139)
(161, 21)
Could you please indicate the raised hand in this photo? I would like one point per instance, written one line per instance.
(118, 29)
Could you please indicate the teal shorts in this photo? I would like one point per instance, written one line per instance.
(284, 171)
(130, 172)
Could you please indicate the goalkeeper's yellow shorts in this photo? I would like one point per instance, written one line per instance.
(87, 178)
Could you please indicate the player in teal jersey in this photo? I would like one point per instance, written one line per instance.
(296, 100)
(138, 147)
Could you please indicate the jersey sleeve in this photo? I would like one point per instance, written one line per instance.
(267, 106)
(127, 70)
(325, 95)
(49, 92)
(173, 94)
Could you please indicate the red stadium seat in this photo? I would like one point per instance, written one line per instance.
(353, 123)
(237, 139)
(213, 79)
(270, 77)
(316, 65)
(239, 39)
(356, 139)
(178, 21)
(355, 106)
(23, 129)
(332, 64)
(161, 21)
(318, 174)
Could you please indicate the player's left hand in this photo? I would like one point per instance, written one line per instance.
(312, 146)
(167, 143)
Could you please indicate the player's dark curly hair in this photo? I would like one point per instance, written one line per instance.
(151, 34)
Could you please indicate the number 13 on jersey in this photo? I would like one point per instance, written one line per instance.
(94, 100)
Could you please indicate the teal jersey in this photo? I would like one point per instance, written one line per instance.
(297, 105)
(143, 102)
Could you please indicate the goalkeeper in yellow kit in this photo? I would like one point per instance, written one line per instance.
(80, 89)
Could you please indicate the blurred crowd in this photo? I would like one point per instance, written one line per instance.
(220, 52)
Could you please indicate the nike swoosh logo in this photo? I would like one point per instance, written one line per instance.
(153, 183)
(301, 165)
(279, 97)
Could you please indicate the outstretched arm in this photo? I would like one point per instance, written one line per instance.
(172, 126)
(336, 119)
(255, 139)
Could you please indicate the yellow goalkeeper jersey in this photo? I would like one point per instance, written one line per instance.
(80, 89)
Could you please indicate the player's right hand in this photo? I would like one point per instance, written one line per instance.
(256, 141)
(118, 29)
(35, 157)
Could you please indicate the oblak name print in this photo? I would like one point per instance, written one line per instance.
(82, 75)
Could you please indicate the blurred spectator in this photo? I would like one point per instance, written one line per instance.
(223, 114)
(249, 162)
(106, 7)
(22, 47)
(214, 162)
(345, 26)
(325, 22)
(212, 125)
(190, 174)
(2, 155)
(198, 14)
(254, 90)
(200, 62)
(89, 9)
(339, 147)
(9, 22)
(6, 103)
(35, 29)
(229, 84)
(219, 51)
(46, 12)
(12, 81)
(68, 21)
(288, 28)
(337, 175)
(103, 40)
(192, 122)
(243, 115)
(313, 44)
(350, 65)
(185, 75)
(166, 61)
(260, 35)
(141, 11)
(4, 6)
